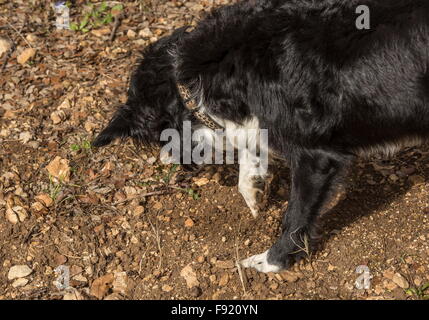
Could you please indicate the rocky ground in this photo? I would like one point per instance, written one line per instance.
(127, 227)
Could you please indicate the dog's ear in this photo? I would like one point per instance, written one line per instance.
(121, 126)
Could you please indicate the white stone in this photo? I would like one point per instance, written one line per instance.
(5, 46)
(145, 33)
(25, 136)
(20, 282)
(120, 282)
(11, 216)
(131, 34)
(19, 271)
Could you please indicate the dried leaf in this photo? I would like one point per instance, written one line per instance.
(60, 169)
(101, 286)
(190, 276)
(26, 55)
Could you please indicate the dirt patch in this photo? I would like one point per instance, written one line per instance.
(127, 227)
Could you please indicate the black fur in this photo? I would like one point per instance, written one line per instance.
(154, 103)
(325, 90)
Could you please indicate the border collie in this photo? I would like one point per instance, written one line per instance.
(325, 90)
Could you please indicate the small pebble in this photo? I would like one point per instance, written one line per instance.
(195, 292)
(19, 271)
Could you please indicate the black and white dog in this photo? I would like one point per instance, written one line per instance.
(325, 91)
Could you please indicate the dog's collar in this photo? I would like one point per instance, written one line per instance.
(191, 105)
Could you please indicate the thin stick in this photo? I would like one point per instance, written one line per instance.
(157, 240)
(141, 260)
(29, 234)
(19, 33)
(241, 275)
(148, 194)
(118, 19)
(67, 255)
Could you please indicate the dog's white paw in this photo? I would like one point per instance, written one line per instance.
(255, 211)
(260, 263)
(253, 206)
(252, 195)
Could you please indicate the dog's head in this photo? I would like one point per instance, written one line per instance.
(154, 103)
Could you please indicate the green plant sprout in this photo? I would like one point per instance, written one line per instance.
(420, 292)
(85, 145)
(171, 171)
(96, 16)
(54, 188)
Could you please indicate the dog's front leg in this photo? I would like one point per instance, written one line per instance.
(314, 174)
(251, 181)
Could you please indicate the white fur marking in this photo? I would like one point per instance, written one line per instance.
(390, 148)
(246, 181)
(251, 166)
(260, 263)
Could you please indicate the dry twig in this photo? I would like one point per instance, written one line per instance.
(148, 194)
(118, 19)
(241, 274)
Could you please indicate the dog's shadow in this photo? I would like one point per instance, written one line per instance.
(361, 198)
(364, 199)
